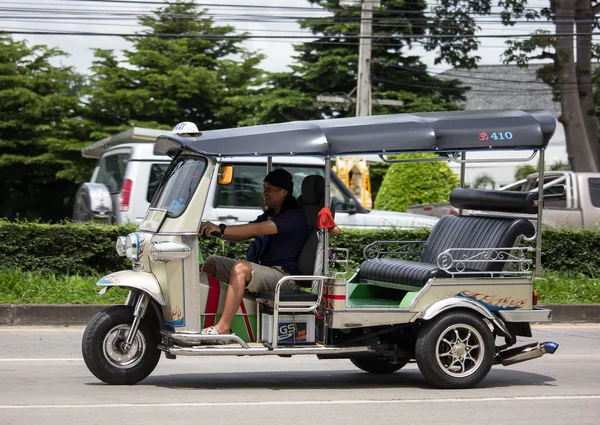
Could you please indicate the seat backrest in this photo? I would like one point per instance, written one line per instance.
(475, 232)
(311, 200)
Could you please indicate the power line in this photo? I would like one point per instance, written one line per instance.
(296, 37)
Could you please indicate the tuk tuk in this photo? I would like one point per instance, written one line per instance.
(456, 308)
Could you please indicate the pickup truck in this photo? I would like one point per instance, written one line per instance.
(570, 199)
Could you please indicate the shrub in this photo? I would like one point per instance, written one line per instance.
(415, 183)
(523, 170)
(89, 249)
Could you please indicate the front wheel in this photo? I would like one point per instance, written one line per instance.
(377, 366)
(455, 350)
(104, 351)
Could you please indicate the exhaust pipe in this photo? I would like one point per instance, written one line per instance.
(526, 352)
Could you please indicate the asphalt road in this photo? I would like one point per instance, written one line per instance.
(43, 380)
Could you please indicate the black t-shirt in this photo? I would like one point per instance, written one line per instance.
(283, 248)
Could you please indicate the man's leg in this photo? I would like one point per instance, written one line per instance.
(209, 266)
(241, 274)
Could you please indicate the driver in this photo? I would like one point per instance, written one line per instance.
(281, 232)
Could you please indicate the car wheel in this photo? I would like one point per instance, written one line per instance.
(106, 356)
(455, 350)
(377, 366)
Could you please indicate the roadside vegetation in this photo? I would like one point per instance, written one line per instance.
(20, 287)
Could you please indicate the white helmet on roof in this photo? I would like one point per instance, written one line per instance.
(186, 128)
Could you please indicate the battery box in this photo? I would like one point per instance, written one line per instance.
(293, 328)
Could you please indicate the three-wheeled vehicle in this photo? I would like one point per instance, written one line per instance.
(457, 306)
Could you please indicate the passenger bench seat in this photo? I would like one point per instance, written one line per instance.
(450, 232)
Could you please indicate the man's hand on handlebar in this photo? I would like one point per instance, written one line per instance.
(208, 229)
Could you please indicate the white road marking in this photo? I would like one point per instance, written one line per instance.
(300, 403)
(44, 360)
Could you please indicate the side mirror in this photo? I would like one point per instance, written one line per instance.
(225, 174)
(352, 206)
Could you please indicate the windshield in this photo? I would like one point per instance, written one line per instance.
(178, 185)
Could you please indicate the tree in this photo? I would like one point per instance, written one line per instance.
(570, 49)
(41, 134)
(523, 170)
(484, 181)
(415, 183)
(180, 69)
(329, 64)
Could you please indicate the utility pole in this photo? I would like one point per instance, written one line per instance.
(363, 95)
(346, 165)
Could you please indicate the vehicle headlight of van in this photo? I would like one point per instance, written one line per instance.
(168, 251)
(132, 246)
(121, 240)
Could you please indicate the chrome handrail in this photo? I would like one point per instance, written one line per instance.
(508, 256)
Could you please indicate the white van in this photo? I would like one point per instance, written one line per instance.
(128, 171)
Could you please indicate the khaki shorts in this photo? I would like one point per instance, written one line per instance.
(263, 278)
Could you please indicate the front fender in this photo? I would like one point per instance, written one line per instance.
(441, 306)
(141, 281)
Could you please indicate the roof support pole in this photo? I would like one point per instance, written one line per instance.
(327, 203)
(538, 232)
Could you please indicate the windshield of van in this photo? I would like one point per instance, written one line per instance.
(178, 186)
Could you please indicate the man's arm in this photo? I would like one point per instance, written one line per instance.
(240, 232)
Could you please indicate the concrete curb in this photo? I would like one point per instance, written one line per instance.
(47, 314)
(80, 314)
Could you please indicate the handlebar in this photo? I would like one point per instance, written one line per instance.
(213, 234)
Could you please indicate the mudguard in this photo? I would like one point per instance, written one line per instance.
(441, 306)
(452, 303)
(141, 281)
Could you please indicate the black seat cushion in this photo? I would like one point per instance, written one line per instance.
(297, 295)
(392, 270)
(451, 232)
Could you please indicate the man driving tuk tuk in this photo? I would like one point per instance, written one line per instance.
(281, 232)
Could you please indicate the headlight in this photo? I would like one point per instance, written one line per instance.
(121, 240)
(168, 251)
(132, 246)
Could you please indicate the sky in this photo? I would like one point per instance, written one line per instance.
(21, 15)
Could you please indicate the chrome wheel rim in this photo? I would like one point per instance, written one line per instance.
(114, 347)
(460, 350)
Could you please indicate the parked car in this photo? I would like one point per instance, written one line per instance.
(127, 175)
(570, 199)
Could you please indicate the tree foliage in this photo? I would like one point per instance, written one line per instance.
(570, 49)
(523, 170)
(41, 132)
(329, 65)
(415, 183)
(174, 73)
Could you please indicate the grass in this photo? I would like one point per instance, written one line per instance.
(568, 288)
(19, 287)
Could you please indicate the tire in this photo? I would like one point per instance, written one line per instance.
(101, 350)
(377, 366)
(455, 351)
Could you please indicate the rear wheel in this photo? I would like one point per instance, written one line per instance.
(455, 351)
(104, 351)
(378, 366)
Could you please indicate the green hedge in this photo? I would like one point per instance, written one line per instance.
(89, 249)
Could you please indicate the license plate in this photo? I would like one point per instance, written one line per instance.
(153, 220)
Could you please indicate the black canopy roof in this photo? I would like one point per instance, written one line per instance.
(422, 132)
